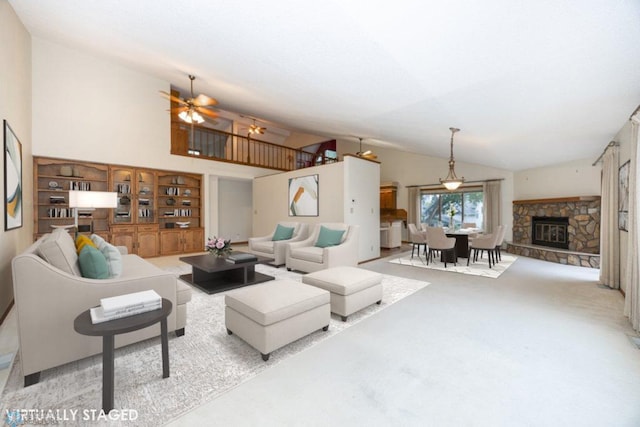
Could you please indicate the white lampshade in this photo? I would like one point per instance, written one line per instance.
(92, 199)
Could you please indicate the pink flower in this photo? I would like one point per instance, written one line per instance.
(220, 244)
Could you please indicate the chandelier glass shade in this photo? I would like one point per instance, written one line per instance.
(452, 182)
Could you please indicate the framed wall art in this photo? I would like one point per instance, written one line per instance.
(13, 206)
(623, 196)
(303, 196)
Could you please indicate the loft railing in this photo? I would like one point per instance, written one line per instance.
(228, 147)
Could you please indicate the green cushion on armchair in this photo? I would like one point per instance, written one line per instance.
(328, 237)
(282, 233)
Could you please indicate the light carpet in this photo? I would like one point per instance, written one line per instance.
(479, 268)
(205, 363)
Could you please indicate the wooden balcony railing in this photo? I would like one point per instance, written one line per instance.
(228, 147)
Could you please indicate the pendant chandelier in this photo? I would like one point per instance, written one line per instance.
(452, 182)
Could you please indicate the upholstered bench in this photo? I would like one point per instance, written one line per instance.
(273, 314)
(351, 288)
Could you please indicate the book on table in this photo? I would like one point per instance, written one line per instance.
(98, 315)
(238, 258)
(113, 305)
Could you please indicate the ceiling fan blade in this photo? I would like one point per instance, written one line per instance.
(207, 112)
(172, 98)
(179, 109)
(204, 101)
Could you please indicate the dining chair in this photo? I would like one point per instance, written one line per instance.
(417, 238)
(437, 240)
(485, 243)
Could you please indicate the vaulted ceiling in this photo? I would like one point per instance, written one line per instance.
(529, 83)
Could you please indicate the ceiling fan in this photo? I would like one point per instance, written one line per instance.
(255, 129)
(193, 109)
(365, 154)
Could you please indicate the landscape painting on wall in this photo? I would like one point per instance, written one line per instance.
(303, 196)
(623, 196)
(12, 179)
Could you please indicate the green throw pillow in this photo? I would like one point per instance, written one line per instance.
(93, 264)
(283, 233)
(328, 237)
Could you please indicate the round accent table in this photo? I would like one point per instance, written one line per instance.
(108, 330)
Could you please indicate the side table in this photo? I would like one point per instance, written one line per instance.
(108, 330)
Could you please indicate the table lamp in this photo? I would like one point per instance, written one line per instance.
(90, 200)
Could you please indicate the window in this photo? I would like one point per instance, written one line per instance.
(436, 208)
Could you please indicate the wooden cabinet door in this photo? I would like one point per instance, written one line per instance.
(148, 244)
(124, 238)
(170, 242)
(194, 240)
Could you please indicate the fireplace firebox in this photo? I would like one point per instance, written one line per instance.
(550, 231)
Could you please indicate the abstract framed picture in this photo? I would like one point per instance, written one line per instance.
(623, 196)
(13, 205)
(303, 196)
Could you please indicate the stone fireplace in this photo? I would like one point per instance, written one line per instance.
(564, 230)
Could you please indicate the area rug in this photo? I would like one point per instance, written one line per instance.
(204, 363)
(479, 268)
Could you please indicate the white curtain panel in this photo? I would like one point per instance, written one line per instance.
(492, 203)
(632, 294)
(609, 234)
(413, 215)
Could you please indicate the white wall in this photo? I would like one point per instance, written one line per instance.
(362, 203)
(271, 197)
(576, 178)
(235, 206)
(15, 107)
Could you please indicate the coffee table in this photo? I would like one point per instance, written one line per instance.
(214, 274)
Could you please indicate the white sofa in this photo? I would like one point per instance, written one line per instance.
(48, 299)
(305, 256)
(277, 250)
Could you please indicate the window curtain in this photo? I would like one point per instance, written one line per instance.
(492, 203)
(632, 294)
(609, 234)
(413, 214)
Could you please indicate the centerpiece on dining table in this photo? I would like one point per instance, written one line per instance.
(218, 246)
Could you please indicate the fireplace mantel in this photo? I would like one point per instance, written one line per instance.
(558, 200)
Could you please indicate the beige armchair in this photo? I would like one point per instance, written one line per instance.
(306, 256)
(277, 249)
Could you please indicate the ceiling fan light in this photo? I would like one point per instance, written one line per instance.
(196, 117)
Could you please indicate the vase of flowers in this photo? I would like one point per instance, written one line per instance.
(218, 246)
(452, 213)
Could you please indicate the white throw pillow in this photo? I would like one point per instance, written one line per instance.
(111, 253)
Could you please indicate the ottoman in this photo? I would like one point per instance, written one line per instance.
(273, 314)
(351, 288)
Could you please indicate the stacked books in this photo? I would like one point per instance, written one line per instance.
(241, 257)
(125, 305)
